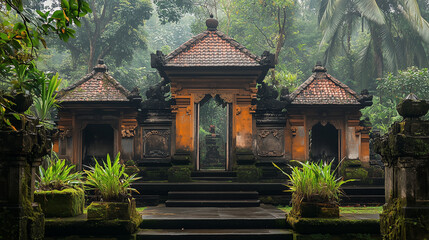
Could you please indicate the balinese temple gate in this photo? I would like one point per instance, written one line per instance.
(212, 112)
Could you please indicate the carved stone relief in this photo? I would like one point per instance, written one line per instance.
(270, 142)
(128, 131)
(65, 133)
(156, 143)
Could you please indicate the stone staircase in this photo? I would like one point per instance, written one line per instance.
(210, 193)
(212, 199)
(262, 223)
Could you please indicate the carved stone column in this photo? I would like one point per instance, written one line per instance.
(21, 153)
(155, 126)
(269, 138)
(405, 153)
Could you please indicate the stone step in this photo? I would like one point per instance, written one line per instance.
(363, 199)
(215, 223)
(214, 234)
(213, 174)
(215, 179)
(211, 195)
(212, 203)
(360, 190)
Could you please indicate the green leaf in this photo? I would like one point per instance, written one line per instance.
(19, 26)
(58, 14)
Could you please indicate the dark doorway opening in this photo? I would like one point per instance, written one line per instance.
(324, 143)
(97, 142)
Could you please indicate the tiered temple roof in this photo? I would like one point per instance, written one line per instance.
(322, 89)
(97, 86)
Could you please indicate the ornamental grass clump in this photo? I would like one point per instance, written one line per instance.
(58, 175)
(110, 180)
(314, 182)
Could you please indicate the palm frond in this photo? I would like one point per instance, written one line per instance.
(370, 10)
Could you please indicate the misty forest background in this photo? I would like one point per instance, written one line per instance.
(379, 45)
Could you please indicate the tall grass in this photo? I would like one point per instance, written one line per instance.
(314, 182)
(58, 175)
(110, 180)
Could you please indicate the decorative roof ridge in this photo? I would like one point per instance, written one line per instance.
(301, 87)
(223, 36)
(85, 78)
(186, 45)
(342, 85)
(237, 45)
(118, 85)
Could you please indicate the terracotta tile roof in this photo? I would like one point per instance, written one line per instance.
(211, 48)
(97, 86)
(321, 88)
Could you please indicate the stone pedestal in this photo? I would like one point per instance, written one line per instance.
(405, 153)
(269, 141)
(155, 120)
(21, 153)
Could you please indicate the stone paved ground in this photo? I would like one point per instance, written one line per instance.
(262, 212)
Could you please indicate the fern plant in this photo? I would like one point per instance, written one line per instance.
(110, 180)
(58, 175)
(314, 182)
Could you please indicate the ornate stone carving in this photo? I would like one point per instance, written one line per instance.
(293, 130)
(65, 133)
(270, 142)
(128, 131)
(228, 98)
(198, 97)
(156, 143)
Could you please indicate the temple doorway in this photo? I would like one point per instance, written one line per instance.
(97, 142)
(324, 143)
(212, 134)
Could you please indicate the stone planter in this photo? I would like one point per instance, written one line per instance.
(65, 203)
(319, 210)
(112, 210)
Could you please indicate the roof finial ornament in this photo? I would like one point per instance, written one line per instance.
(319, 67)
(100, 67)
(211, 23)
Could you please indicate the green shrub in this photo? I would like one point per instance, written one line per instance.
(58, 175)
(110, 180)
(314, 182)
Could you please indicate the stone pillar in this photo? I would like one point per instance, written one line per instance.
(405, 153)
(21, 153)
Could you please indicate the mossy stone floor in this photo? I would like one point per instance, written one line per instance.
(269, 222)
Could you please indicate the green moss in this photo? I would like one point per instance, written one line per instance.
(179, 174)
(355, 173)
(275, 200)
(154, 173)
(248, 173)
(394, 225)
(26, 222)
(130, 170)
(61, 203)
(333, 225)
(111, 212)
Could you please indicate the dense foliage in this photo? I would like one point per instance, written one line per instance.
(110, 180)
(390, 91)
(22, 33)
(362, 43)
(57, 175)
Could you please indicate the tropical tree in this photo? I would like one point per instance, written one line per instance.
(390, 91)
(111, 30)
(397, 32)
(22, 33)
